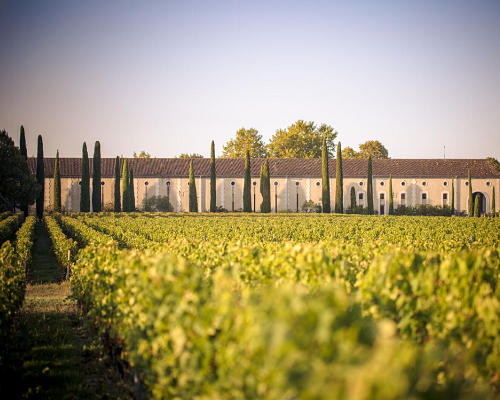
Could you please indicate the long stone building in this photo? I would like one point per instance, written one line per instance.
(293, 181)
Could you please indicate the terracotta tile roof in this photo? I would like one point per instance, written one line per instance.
(232, 167)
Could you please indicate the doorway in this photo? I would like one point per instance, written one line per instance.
(482, 202)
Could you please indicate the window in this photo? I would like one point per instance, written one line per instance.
(146, 183)
(276, 183)
(382, 183)
(403, 199)
(445, 183)
(361, 183)
(466, 183)
(233, 183)
(403, 183)
(168, 183)
(79, 183)
(424, 198)
(488, 183)
(254, 183)
(445, 199)
(382, 196)
(297, 184)
(361, 199)
(424, 183)
(318, 183)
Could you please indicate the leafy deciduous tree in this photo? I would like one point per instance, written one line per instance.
(373, 149)
(302, 140)
(349, 153)
(246, 139)
(192, 155)
(17, 187)
(142, 154)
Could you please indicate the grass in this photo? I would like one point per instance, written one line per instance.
(53, 355)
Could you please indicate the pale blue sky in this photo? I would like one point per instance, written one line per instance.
(168, 77)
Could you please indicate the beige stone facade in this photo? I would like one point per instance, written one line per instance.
(289, 192)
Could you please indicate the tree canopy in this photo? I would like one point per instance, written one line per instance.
(17, 186)
(142, 154)
(371, 148)
(494, 162)
(245, 139)
(302, 140)
(187, 155)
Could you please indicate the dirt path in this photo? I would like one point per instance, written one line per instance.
(55, 356)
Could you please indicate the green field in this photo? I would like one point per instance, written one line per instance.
(292, 306)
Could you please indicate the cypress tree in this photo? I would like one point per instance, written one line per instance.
(391, 198)
(131, 191)
(96, 178)
(265, 188)
(369, 187)
(85, 183)
(247, 186)
(22, 144)
(353, 199)
(339, 185)
(476, 207)
(193, 201)
(57, 185)
(40, 178)
(24, 153)
(125, 187)
(325, 199)
(493, 205)
(213, 181)
(118, 201)
(471, 200)
(452, 196)
(261, 185)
